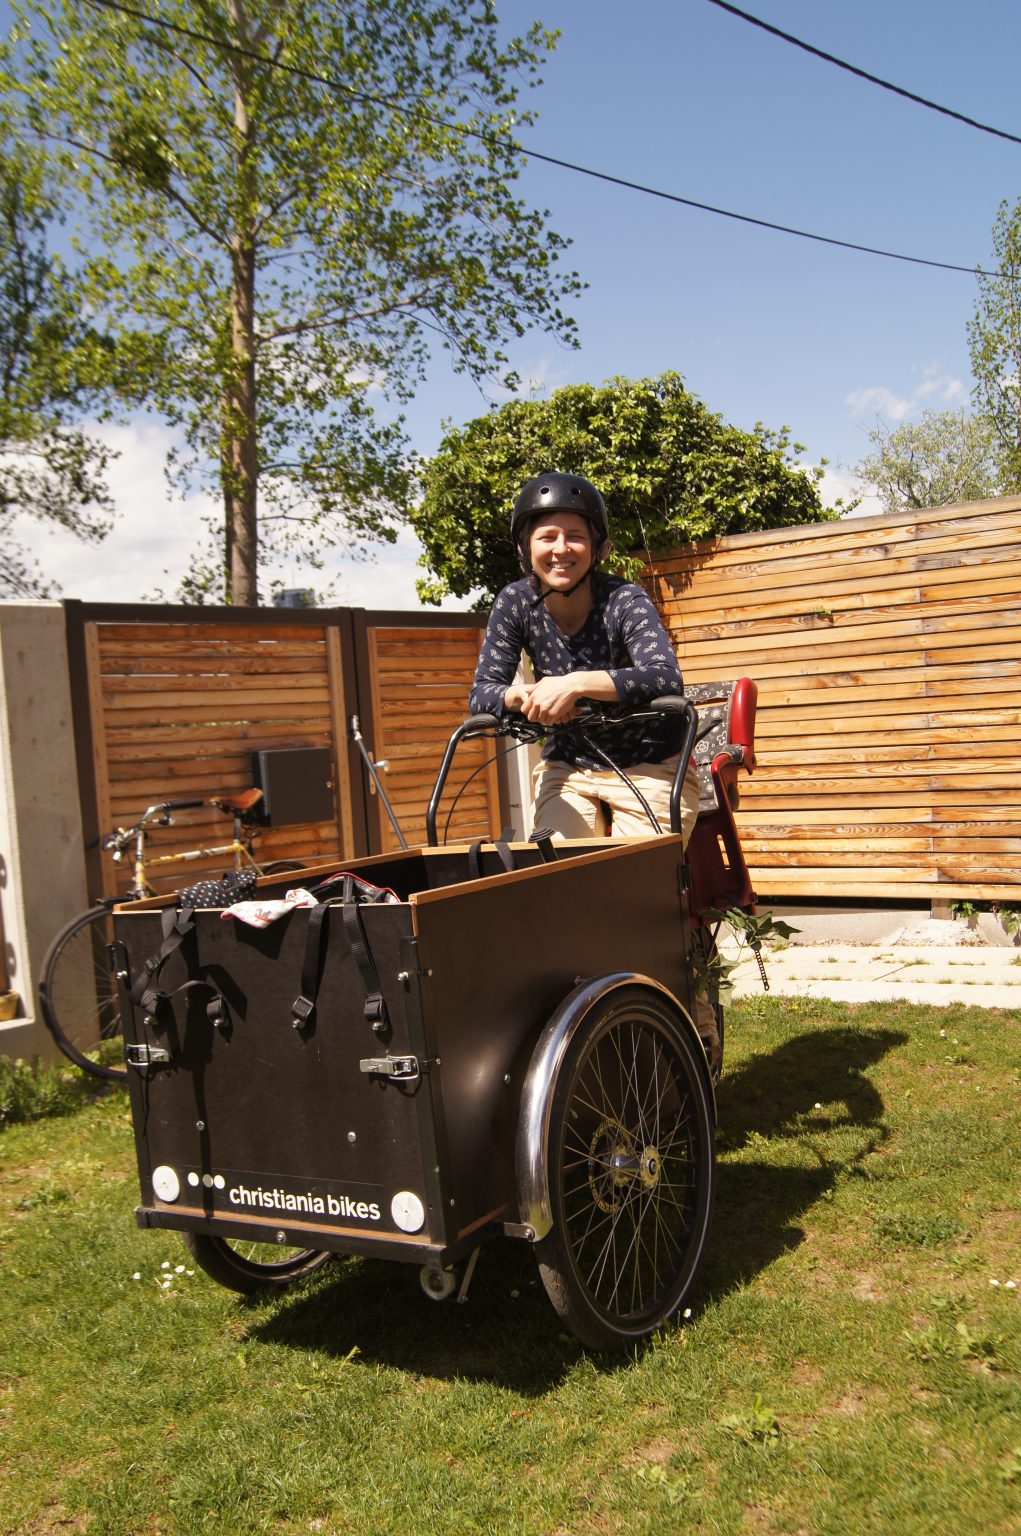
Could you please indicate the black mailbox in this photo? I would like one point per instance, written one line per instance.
(296, 784)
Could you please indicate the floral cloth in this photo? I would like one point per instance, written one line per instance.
(259, 914)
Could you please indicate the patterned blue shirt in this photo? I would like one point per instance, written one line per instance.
(622, 636)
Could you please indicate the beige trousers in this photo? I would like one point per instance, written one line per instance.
(586, 802)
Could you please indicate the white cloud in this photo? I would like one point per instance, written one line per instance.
(384, 579)
(939, 387)
(152, 535)
(838, 487)
(877, 400)
(935, 388)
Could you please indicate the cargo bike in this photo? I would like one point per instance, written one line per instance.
(456, 1044)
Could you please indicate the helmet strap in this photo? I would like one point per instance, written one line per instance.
(553, 592)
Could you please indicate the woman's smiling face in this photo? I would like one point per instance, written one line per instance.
(560, 548)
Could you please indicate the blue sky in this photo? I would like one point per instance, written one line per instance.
(685, 97)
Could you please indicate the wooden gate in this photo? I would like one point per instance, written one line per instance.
(173, 703)
(420, 669)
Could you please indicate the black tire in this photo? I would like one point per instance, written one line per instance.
(248, 1267)
(78, 995)
(631, 1167)
(281, 866)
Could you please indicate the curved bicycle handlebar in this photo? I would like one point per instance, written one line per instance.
(527, 730)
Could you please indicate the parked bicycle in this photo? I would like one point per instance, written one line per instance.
(77, 992)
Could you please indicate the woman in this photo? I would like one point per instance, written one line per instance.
(591, 638)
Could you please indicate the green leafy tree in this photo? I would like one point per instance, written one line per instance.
(994, 337)
(670, 469)
(50, 470)
(284, 208)
(946, 456)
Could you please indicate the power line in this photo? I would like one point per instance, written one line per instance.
(501, 141)
(862, 74)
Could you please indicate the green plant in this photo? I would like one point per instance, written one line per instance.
(1010, 919)
(1010, 1467)
(917, 1229)
(674, 1486)
(30, 1090)
(757, 1425)
(713, 970)
(671, 471)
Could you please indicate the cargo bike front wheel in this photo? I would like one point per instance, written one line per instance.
(629, 1165)
(248, 1267)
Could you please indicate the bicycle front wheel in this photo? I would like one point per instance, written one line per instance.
(78, 995)
(631, 1170)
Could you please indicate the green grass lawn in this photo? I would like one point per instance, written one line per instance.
(852, 1362)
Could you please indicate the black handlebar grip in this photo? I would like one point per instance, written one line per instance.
(670, 704)
(183, 805)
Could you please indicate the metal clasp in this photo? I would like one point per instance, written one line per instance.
(141, 1054)
(398, 1069)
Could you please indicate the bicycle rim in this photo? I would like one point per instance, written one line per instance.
(78, 996)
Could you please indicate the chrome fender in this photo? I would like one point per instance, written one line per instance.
(531, 1163)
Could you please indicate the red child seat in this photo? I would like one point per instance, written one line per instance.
(725, 746)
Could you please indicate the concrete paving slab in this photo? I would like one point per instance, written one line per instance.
(984, 977)
(856, 954)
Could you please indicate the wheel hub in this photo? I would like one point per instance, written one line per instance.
(616, 1163)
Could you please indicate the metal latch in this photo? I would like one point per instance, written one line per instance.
(141, 1054)
(399, 1069)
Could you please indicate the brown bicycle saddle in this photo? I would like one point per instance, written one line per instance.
(237, 804)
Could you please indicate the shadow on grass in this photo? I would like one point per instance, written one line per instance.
(771, 1092)
(772, 1096)
(508, 1333)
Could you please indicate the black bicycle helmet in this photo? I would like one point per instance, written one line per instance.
(555, 491)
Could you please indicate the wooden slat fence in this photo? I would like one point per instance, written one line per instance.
(420, 677)
(178, 708)
(887, 652)
(173, 702)
(888, 656)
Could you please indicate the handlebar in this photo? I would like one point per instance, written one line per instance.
(527, 731)
(122, 837)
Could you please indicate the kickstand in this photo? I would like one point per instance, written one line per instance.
(469, 1270)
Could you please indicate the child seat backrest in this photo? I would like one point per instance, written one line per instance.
(726, 746)
(726, 737)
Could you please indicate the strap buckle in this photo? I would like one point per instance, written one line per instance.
(302, 1011)
(374, 1013)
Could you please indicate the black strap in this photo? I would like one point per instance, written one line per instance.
(304, 1006)
(176, 923)
(475, 870)
(374, 1007)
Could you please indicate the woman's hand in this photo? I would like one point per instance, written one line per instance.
(516, 697)
(553, 700)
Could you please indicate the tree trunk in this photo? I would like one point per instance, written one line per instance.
(239, 452)
(240, 459)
